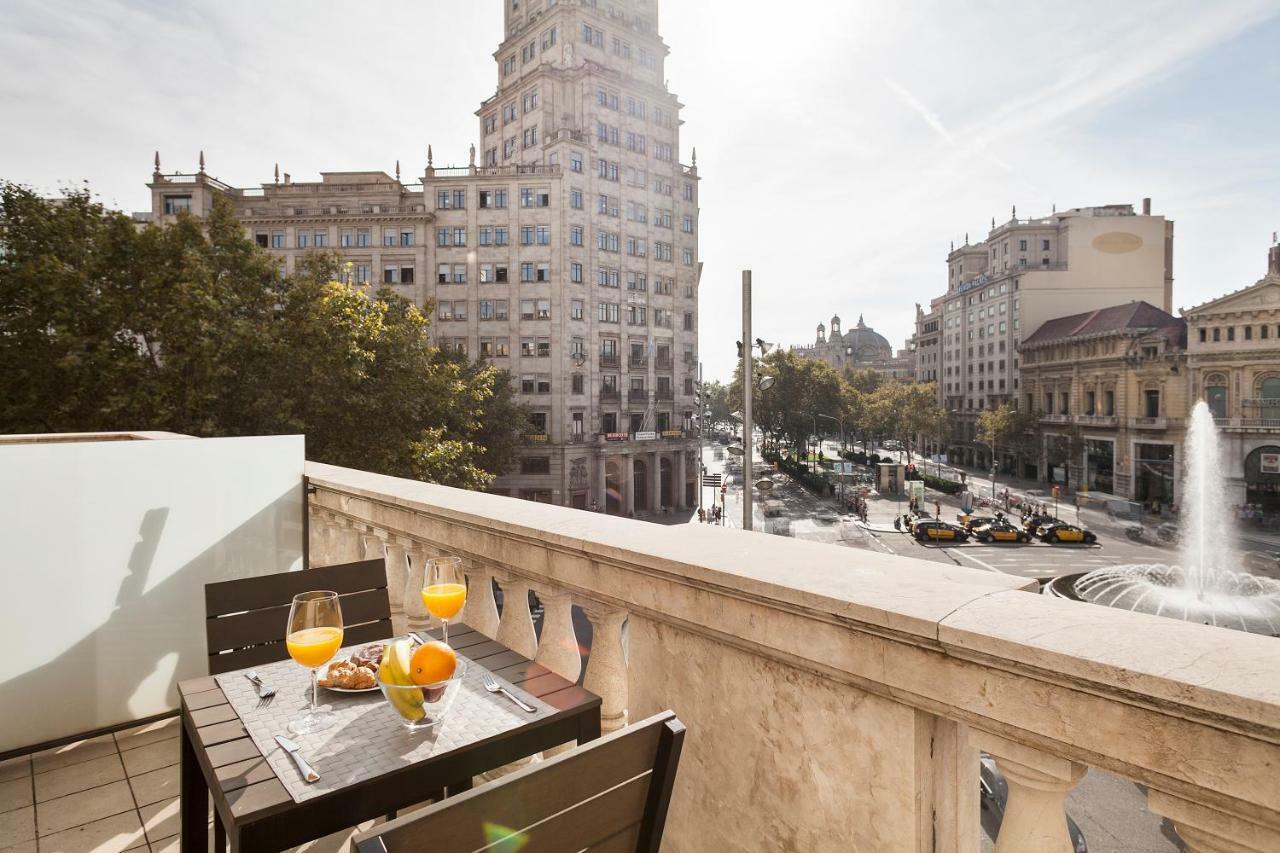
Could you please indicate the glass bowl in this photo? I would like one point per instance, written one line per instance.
(421, 708)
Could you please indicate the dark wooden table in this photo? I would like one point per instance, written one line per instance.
(257, 813)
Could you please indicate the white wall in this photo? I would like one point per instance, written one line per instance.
(105, 548)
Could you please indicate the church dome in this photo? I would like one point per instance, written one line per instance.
(864, 343)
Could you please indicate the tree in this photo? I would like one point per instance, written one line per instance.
(716, 395)
(191, 328)
(1004, 427)
(905, 411)
(802, 389)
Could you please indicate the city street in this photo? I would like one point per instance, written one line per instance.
(1111, 812)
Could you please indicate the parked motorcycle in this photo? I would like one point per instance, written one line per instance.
(1136, 533)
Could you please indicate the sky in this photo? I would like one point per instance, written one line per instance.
(842, 144)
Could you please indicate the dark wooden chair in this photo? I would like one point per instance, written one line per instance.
(607, 796)
(245, 620)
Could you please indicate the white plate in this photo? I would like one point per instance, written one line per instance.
(345, 689)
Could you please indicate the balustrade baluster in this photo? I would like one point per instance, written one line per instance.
(416, 616)
(397, 578)
(1204, 829)
(481, 610)
(607, 667)
(558, 648)
(515, 628)
(372, 544)
(1035, 817)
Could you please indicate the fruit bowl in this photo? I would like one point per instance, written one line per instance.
(420, 706)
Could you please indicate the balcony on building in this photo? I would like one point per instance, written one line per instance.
(610, 361)
(835, 699)
(607, 393)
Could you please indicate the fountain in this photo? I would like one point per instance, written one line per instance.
(1207, 585)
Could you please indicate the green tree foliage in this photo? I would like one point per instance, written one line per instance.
(905, 411)
(802, 388)
(191, 328)
(717, 397)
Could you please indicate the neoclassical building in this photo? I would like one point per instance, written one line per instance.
(1109, 388)
(862, 347)
(1234, 361)
(565, 249)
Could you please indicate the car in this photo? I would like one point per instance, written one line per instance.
(1169, 532)
(1033, 523)
(1061, 532)
(939, 531)
(969, 522)
(993, 799)
(1000, 531)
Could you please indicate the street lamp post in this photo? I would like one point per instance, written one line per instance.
(839, 421)
(748, 427)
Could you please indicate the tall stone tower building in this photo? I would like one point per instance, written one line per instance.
(565, 251)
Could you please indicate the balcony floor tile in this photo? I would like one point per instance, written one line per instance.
(78, 777)
(107, 835)
(15, 794)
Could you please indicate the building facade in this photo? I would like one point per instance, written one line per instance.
(1023, 274)
(1234, 365)
(565, 251)
(860, 348)
(1109, 388)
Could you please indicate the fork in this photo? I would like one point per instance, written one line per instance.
(265, 693)
(491, 684)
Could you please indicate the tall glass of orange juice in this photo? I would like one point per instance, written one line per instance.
(313, 638)
(444, 590)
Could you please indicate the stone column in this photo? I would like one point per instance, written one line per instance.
(607, 667)
(416, 616)
(515, 629)
(682, 484)
(372, 545)
(558, 648)
(397, 579)
(481, 609)
(628, 484)
(655, 501)
(1035, 817)
(1207, 830)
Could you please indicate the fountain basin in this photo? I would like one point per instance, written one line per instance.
(1235, 600)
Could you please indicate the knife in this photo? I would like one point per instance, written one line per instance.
(304, 768)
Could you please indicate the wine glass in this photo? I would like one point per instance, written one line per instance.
(313, 638)
(444, 589)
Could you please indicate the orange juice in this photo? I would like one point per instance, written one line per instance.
(444, 600)
(312, 647)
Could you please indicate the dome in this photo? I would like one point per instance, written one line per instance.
(866, 344)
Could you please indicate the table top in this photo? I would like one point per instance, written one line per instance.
(248, 792)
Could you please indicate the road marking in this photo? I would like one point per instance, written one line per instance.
(963, 553)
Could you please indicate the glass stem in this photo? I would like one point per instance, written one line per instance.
(446, 630)
(313, 691)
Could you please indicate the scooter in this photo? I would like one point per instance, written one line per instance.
(1136, 533)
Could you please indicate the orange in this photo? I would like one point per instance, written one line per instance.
(432, 663)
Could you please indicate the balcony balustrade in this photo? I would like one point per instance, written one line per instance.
(664, 394)
(638, 362)
(662, 363)
(836, 701)
(610, 394)
(638, 395)
(1097, 420)
(611, 361)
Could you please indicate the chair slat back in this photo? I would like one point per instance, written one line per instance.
(609, 795)
(245, 620)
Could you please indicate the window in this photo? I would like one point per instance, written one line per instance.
(575, 272)
(609, 312)
(526, 235)
(575, 161)
(575, 235)
(406, 275)
(688, 321)
(1248, 333)
(592, 36)
(1217, 335)
(535, 464)
(174, 204)
(1151, 403)
(576, 309)
(486, 309)
(500, 272)
(493, 199)
(544, 235)
(577, 385)
(607, 277)
(1231, 333)
(526, 309)
(460, 310)
(501, 310)
(501, 347)
(575, 200)
(406, 236)
(526, 272)
(303, 239)
(277, 239)
(443, 236)
(363, 237)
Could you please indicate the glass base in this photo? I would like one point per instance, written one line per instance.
(312, 721)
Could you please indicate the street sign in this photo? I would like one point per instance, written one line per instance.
(712, 480)
(646, 435)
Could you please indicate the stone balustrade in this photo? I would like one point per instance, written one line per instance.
(839, 699)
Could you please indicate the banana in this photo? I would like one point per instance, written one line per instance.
(399, 688)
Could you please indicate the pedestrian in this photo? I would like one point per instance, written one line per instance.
(702, 515)
(897, 523)
(937, 509)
